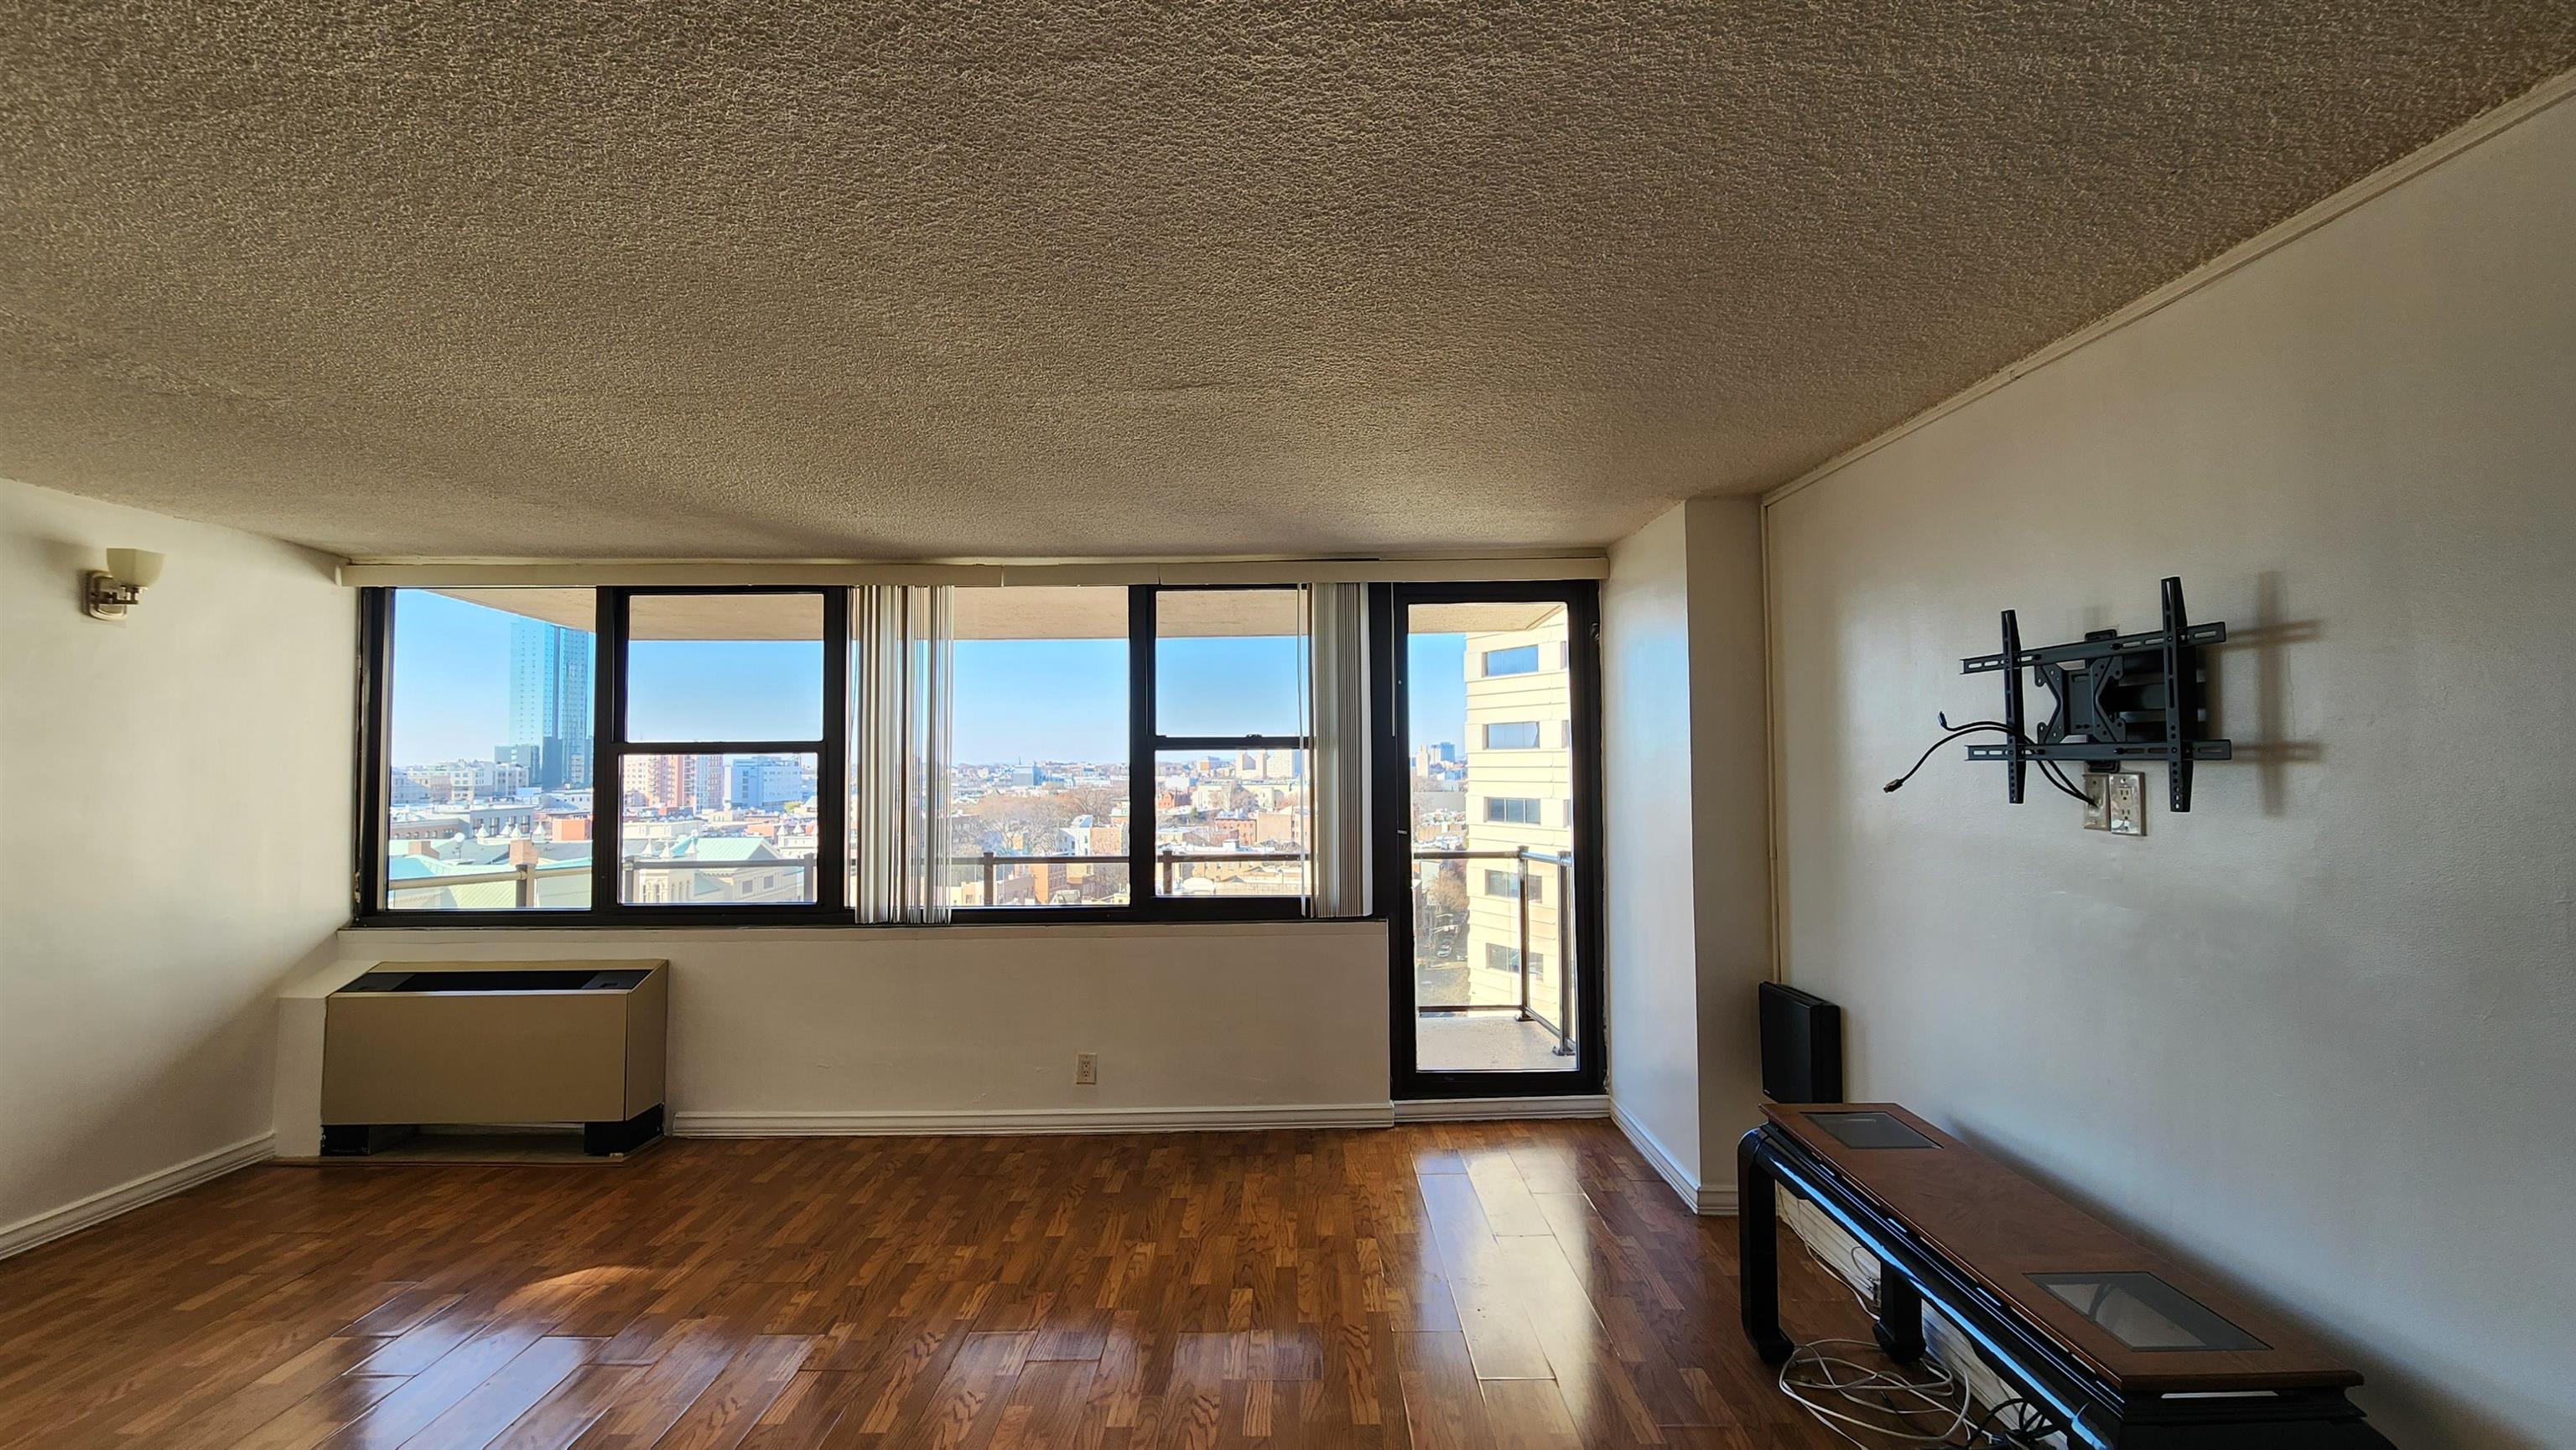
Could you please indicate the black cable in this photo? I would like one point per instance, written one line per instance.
(2049, 768)
(2030, 1419)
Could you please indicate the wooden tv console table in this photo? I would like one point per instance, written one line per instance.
(2121, 1346)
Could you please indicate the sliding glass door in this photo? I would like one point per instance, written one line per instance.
(1488, 856)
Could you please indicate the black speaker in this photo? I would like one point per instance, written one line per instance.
(1802, 1046)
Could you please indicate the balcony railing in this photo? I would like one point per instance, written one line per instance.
(629, 872)
(524, 878)
(1528, 1007)
(1168, 863)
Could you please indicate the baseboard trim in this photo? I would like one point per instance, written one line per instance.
(99, 1207)
(1484, 1110)
(1032, 1120)
(1717, 1199)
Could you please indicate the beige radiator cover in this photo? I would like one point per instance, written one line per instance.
(517, 1057)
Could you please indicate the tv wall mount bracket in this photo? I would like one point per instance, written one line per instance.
(2120, 699)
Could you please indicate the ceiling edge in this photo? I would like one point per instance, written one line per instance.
(577, 573)
(2406, 168)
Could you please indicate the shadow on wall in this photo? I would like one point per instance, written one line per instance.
(70, 564)
(2269, 637)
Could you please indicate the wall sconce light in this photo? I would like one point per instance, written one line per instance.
(116, 589)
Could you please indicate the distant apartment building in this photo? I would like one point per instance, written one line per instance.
(1519, 798)
(458, 782)
(764, 782)
(673, 784)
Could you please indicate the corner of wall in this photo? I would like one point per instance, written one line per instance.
(209, 733)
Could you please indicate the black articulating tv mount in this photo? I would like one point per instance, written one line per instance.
(2121, 698)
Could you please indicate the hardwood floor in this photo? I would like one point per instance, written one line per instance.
(1469, 1285)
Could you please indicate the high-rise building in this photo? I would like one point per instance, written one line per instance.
(549, 704)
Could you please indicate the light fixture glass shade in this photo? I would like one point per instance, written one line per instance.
(138, 567)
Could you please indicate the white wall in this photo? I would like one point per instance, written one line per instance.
(1686, 910)
(2319, 1033)
(174, 837)
(1649, 911)
(977, 1026)
(1730, 822)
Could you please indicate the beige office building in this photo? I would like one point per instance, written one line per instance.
(1520, 804)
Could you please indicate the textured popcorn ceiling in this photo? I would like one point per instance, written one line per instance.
(935, 279)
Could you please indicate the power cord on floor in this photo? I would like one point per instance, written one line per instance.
(1854, 1400)
(1868, 1407)
(1869, 1398)
(2031, 1425)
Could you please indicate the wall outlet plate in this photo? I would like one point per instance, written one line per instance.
(1086, 1069)
(2115, 801)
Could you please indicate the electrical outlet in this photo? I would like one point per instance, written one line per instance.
(1086, 1069)
(2115, 801)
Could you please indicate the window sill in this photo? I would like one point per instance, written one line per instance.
(801, 931)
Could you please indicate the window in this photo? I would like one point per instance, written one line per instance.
(1227, 791)
(1038, 789)
(635, 754)
(1501, 958)
(485, 770)
(681, 735)
(719, 830)
(743, 817)
(702, 667)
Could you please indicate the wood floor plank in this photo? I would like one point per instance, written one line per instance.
(1046, 1407)
(494, 1405)
(1442, 1402)
(568, 1410)
(1441, 1285)
(319, 1415)
(803, 1414)
(723, 1413)
(1528, 1415)
(966, 1407)
(258, 1402)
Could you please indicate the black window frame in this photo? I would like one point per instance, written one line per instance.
(1390, 697)
(1146, 745)
(831, 750)
(608, 751)
(610, 747)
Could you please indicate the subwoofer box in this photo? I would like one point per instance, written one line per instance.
(496, 1042)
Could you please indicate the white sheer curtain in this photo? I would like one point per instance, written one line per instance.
(899, 752)
(1337, 719)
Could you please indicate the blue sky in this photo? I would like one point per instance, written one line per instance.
(1016, 700)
